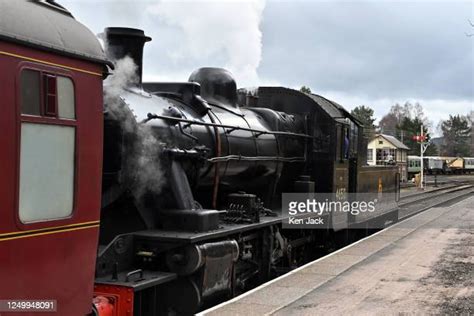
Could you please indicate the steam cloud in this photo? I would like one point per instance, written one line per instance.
(149, 173)
(227, 30)
(115, 86)
(144, 163)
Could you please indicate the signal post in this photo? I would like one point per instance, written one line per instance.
(424, 143)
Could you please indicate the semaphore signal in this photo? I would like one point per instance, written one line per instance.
(420, 138)
(424, 141)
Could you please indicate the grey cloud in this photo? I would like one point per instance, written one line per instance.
(377, 49)
(371, 52)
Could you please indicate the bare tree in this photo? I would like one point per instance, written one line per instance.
(472, 25)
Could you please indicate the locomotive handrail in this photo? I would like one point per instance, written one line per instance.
(230, 128)
(256, 158)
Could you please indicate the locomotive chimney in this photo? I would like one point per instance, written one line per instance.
(123, 41)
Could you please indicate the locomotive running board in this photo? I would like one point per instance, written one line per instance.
(186, 237)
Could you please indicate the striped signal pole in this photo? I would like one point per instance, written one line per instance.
(421, 156)
(423, 146)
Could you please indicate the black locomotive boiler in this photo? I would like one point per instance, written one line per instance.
(193, 175)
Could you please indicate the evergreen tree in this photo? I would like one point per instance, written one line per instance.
(366, 116)
(305, 89)
(456, 136)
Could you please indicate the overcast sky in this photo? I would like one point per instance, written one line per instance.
(375, 53)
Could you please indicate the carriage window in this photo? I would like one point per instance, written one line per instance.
(50, 95)
(340, 143)
(46, 171)
(47, 146)
(354, 139)
(66, 108)
(346, 144)
(30, 92)
(53, 98)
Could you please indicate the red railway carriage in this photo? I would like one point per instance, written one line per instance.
(51, 155)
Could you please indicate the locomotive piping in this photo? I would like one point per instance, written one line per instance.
(215, 189)
(225, 109)
(256, 158)
(229, 127)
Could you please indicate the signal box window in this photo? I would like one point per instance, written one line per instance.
(370, 155)
(47, 148)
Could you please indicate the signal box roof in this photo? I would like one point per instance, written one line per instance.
(395, 142)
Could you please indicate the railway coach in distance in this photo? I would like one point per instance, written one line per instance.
(453, 165)
(414, 165)
(468, 164)
(433, 165)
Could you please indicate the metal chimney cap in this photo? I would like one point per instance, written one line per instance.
(126, 31)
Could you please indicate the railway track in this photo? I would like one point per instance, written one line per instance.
(442, 186)
(428, 192)
(414, 204)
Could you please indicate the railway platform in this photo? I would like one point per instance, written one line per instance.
(422, 265)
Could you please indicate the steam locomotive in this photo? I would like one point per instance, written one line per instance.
(192, 174)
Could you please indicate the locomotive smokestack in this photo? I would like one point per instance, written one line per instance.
(123, 41)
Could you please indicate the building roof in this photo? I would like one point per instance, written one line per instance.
(46, 25)
(394, 141)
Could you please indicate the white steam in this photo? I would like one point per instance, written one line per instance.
(143, 159)
(124, 74)
(147, 165)
(227, 30)
(114, 88)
